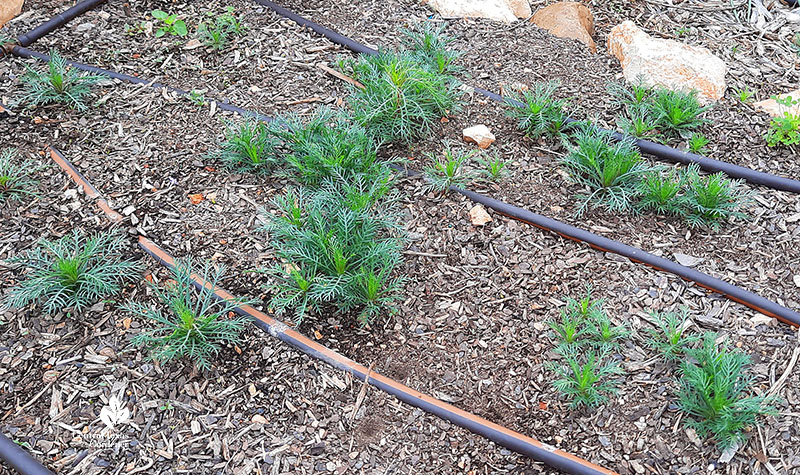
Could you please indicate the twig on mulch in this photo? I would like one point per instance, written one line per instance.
(782, 380)
(339, 75)
(361, 394)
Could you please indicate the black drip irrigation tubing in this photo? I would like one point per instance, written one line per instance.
(20, 460)
(727, 290)
(57, 21)
(657, 150)
(737, 294)
(23, 52)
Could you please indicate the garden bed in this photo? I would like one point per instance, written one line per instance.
(472, 329)
(268, 69)
(263, 406)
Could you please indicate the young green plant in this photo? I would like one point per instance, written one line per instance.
(72, 272)
(713, 386)
(584, 378)
(247, 147)
(784, 129)
(447, 170)
(677, 112)
(712, 200)
(669, 337)
(494, 167)
(541, 113)
(57, 84)
(324, 145)
(610, 169)
(170, 24)
(697, 143)
(339, 246)
(432, 46)
(16, 176)
(744, 94)
(660, 192)
(191, 322)
(402, 98)
(216, 32)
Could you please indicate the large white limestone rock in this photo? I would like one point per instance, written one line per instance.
(500, 10)
(667, 63)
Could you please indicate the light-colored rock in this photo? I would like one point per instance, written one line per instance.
(776, 110)
(667, 63)
(478, 215)
(8, 10)
(568, 20)
(520, 8)
(479, 135)
(500, 10)
(687, 260)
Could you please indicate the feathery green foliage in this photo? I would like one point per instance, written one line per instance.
(585, 378)
(669, 338)
(569, 328)
(639, 123)
(247, 146)
(403, 98)
(603, 333)
(711, 200)
(73, 271)
(494, 168)
(432, 46)
(340, 246)
(447, 170)
(170, 24)
(16, 176)
(610, 169)
(325, 145)
(639, 120)
(541, 114)
(697, 144)
(744, 94)
(650, 112)
(57, 84)
(635, 95)
(194, 323)
(677, 112)
(713, 386)
(216, 32)
(583, 320)
(660, 192)
(785, 129)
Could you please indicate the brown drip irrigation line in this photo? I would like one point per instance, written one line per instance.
(508, 438)
(726, 289)
(81, 181)
(513, 440)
